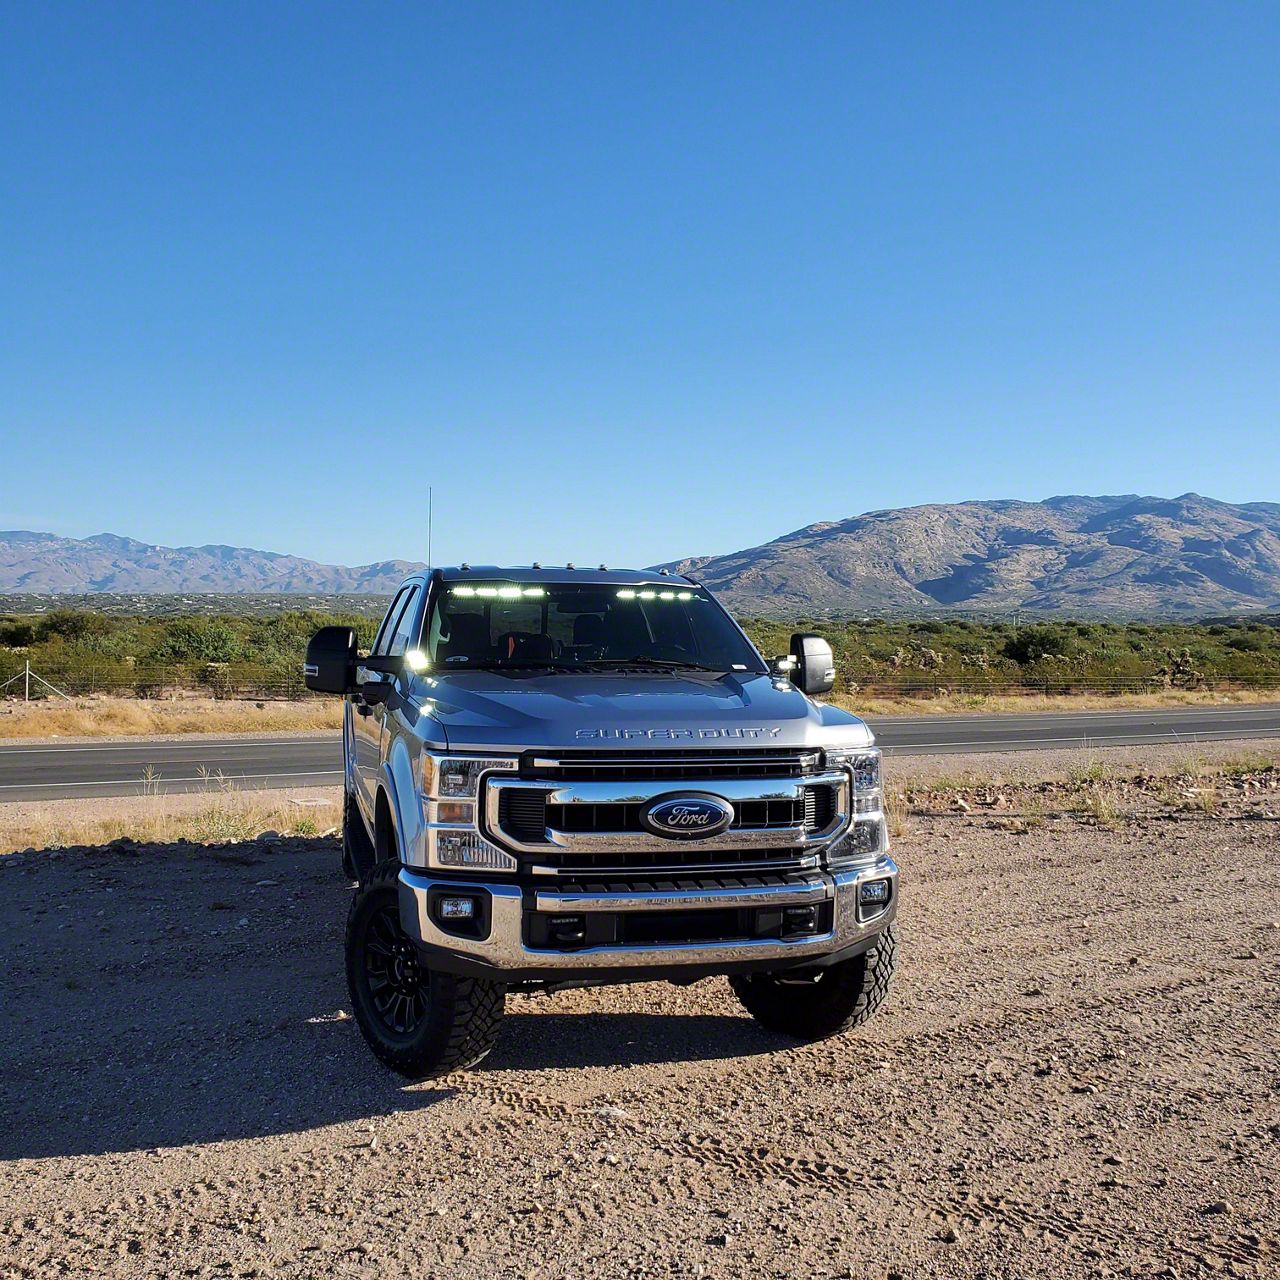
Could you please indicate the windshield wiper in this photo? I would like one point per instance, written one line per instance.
(648, 660)
(522, 664)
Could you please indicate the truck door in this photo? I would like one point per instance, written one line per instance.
(367, 717)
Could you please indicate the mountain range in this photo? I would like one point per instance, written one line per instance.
(44, 563)
(1122, 555)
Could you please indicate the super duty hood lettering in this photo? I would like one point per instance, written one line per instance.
(672, 735)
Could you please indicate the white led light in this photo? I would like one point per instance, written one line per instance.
(534, 591)
(648, 595)
(686, 595)
(509, 593)
(626, 594)
(666, 595)
(457, 908)
(488, 593)
(462, 591)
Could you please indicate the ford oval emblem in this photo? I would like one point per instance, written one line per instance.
(687, 817)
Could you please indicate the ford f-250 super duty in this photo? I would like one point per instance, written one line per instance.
(561, 778)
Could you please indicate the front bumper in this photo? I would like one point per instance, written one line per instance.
(512, 915)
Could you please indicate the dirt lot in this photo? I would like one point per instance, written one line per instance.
(1078, 1074)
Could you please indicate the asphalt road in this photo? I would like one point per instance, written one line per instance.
(134, 766)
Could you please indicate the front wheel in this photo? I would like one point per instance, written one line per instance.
(418, 1021)
(824, 1003)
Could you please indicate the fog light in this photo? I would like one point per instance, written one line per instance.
(457, 908)
(873, 893)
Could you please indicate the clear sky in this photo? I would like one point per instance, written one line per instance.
(627, 281)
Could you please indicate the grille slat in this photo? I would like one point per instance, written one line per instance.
(655, 766)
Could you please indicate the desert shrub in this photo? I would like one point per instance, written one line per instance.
(1031, 644)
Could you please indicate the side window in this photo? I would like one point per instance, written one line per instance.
(388, 625)
(404, 624)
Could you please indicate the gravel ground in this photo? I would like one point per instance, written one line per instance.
(1077, 1074)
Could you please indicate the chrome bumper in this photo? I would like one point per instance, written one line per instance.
(504, 948)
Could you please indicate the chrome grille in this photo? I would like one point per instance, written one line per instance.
(581, 812)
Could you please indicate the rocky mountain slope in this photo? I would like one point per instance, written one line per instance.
(46, 563)
(1124, 555)
(1109, 555)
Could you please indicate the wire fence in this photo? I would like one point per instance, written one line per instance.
(244, 681)
(1031, 684)
(160, 682)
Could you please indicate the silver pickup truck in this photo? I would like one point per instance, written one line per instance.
(560, 778)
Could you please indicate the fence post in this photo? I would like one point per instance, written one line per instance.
(26, 671)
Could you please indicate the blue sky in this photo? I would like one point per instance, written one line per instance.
(627, 281)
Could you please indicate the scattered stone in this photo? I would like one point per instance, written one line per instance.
(1218, 1206)
(610, 1112)
(951, 1236)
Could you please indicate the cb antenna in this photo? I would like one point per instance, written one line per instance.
(431, 564)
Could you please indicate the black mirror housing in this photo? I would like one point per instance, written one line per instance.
(815, 669)
(331, 657)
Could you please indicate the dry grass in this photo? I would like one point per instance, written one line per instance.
(896, 812)
(961, 703)
(217, 818)
(1102, 804)
(136, 717)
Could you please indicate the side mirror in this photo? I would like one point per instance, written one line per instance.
(815, 668)
(330, 664)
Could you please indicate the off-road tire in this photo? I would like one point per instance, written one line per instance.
(451, 1022)
(845, 995)
(358, 857)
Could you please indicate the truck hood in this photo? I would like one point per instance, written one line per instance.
(483, 710)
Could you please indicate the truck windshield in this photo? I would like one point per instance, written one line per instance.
(572, 626)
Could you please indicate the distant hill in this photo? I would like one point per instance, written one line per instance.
(1124, 555)
(43, 563)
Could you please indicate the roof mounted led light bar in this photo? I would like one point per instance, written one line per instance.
(497, 591)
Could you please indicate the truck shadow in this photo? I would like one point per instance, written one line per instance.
(169, 995)
(560, 1041)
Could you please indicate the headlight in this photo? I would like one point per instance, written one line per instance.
(459, 775)
(450, 786)
(866, 835)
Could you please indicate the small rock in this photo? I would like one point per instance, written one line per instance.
(242, 923)
(266, 884)
(610, 1112)
(951, 1236)
(720, 1240)
(1218, 1206)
